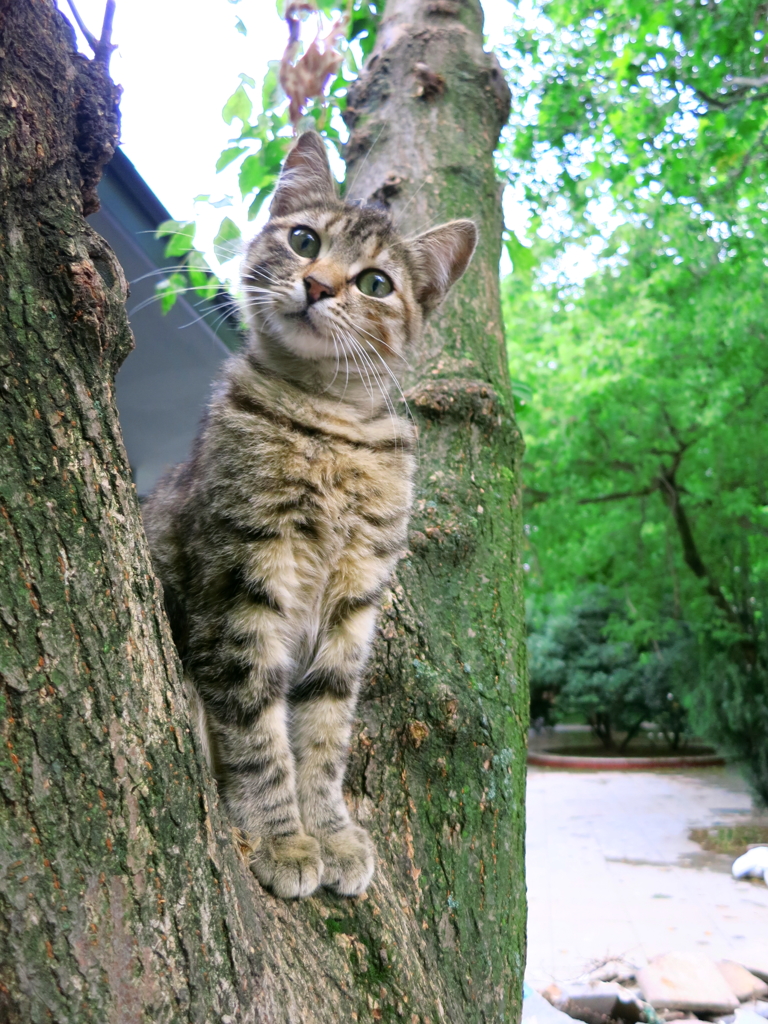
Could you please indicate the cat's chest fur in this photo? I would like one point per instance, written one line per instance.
(300, 494)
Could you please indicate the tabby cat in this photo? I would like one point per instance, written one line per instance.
(274, 541)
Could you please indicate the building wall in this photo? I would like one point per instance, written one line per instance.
(163, 387)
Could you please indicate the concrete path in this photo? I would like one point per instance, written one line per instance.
(611, 871)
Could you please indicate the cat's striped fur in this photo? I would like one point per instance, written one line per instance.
(274, 541)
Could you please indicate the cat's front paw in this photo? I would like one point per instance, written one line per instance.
(290, 866)
(348, 860)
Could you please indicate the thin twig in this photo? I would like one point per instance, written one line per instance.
(618, 496)
(738, 95)
(89, 36)
(750, 83)
(734, 176)
(102, 47)
(106, 46)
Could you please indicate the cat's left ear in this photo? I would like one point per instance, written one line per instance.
(441, 256)
(305, 178)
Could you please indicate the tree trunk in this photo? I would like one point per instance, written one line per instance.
(450, 675)
(122, 896)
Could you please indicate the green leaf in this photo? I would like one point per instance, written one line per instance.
(254, 174)
(258, 202)
(226, 201)
(247, 80)
(238, 105)
(226, 243)
(274, 153)
(240, 27)
(522, 390)
(168, 227)
(202, 198)
(169, 290)
(253, 131)
(227, 157)
(196, 261)
(181, 235)
(523, 257)
(205, 284)
(271, 92)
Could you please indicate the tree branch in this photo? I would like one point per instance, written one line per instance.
(725, 102)
(670, 492)
(750, 83)
(618, 496)
(103, 46)
(746, 160)
(748, 399)
(746, 524)
(534, 495)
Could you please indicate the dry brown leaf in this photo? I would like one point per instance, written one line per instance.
(306, 78)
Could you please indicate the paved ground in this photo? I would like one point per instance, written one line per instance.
(611, 871)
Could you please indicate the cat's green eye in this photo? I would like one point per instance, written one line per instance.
(375, 283)
(304, 242)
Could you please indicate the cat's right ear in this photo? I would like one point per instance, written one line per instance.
(440, 257)
(305, 179)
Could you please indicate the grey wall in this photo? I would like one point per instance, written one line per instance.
(163, 386)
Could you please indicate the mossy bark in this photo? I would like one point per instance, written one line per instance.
(122, 895)
(450, 675)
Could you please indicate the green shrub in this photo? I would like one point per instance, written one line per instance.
(584, 662)
(729, 707)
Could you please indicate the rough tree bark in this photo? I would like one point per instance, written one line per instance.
(425, 118)
(122, 896)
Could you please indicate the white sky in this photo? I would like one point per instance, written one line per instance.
(178, 61)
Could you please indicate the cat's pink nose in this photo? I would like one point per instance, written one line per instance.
(317, 289)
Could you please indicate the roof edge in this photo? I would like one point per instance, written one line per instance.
(126, 175)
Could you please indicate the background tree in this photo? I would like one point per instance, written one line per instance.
(122, 896)
(644, 142)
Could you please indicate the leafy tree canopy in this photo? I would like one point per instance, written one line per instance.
(633, 100)
(646, 124)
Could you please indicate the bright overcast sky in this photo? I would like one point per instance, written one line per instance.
(178, 61)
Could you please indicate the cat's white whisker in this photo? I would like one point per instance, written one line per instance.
(391, 374)
(161, 272)
(338, 362)
(397, 385)
(379, 382)
(339, 346)
(367, 385)
(254, 289)
(157, 297)
(261, 275)
(335, 341)
(408, 203)
(354, 326)
(365, 161)
(370, 369)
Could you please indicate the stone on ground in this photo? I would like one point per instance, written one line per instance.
(686, 981)
(742, 982)
(615, 969)
(755, 959)
(588, 1001)
(746, 1015)
(538, 1010)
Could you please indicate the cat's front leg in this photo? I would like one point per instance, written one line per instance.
(322, 711)
(320, 730)
(245, 706)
